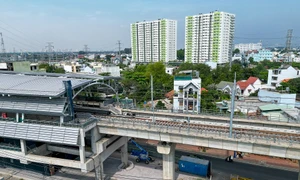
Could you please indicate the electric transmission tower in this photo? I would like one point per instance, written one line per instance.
(86, 49)
(119, 53)
(119, 46)
(289, 43)
(49, 49)
(2, 43)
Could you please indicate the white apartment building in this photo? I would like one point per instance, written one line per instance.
(153, 41)
(276, 76)
(209, 37)
(248, 47)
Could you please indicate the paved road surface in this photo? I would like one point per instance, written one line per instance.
(219, 166)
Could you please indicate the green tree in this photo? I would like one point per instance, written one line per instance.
(160, 105)
(180, 54)
(293, 84)
(105, 74)
(251, 60)
(136, 82)
(59, 70)
(236, 51)
(108, 57)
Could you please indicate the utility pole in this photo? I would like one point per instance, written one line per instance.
(152, 103)
(50, 48)
(232, 105)
(288, 43)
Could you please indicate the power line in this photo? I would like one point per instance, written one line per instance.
(16, 35)
(26, 45)
(19, 31)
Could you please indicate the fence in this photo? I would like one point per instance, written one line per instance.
(218, 113)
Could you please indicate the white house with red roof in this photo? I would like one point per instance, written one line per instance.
(249, 86)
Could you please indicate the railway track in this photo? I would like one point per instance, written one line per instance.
(244, 130)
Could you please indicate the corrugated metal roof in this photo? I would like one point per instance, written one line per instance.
(274, 107)
(14, 84)
(41, 106)
(43, 133)
(67, 75)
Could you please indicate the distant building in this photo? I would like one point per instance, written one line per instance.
(277, 98)
(187, 92)
(276, 76)
(19, 66)
(248, 47)
(237, 57)
(209, 37)
(112, 69)
(262, 55)
(71, 67)
(153, 41)
(170, 70)
(249, 86)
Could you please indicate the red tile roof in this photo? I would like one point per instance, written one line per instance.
(243, 84)
(203, 89)
(286, 80)
(251, 80)
(170, 94)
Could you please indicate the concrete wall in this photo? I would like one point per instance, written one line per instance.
(23, 66)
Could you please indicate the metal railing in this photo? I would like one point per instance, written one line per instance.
(251, 136)
(218, 113)
(9, 147)
(53, 123)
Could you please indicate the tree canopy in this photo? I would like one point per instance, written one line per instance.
(51, 68)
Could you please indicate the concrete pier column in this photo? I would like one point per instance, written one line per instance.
(124, 154)
(99, 172)
(299, 170)
(24, 151)
(168, 152)
(95, 136)
(82, 148)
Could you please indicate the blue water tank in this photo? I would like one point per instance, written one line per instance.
(194, 166)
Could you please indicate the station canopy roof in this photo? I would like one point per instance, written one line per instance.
(40, 86)
(33, 105)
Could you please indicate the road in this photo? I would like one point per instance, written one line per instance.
(219, 166)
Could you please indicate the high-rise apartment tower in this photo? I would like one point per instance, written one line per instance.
(209, 37)
(153, 41)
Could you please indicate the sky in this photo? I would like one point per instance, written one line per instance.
(70, 24)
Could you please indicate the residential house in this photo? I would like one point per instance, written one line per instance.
(187, 94)
(249, 86)
(276, 76)
(225, 86)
